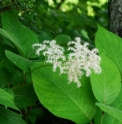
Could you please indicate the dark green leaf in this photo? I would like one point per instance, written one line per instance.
(24, 95)
(43, 37)
(4, 77)
(62, 39)
(9, 117)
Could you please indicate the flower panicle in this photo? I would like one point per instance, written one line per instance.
(80, 58)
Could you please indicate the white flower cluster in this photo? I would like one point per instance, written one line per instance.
(54, 53)
(80, 61)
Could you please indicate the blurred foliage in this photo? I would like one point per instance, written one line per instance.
(65, 17)
(53, 17)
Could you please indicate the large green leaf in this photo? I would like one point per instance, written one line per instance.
(7, 100)
(111, 111)
(108, 118)
(111, 44)
(24, 95)
(63, 100)
(106, 85)
(21, 35)
(19, 61)
(9, 117)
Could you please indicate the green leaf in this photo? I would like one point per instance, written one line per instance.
(111, 111)
(105, 118)
(106, 85)
(7, 100)
(85, 34)
(2, 55)
(24, 95)
(34, 114)
(108, 118)
(32, 119)
(111, 44)
(4, 77)
(63, 100)
(17, 77)
(13, 39)
(62, 39)
(23, 36)
(36, 111)
(19, 61)
(9, 117)
(43, 37)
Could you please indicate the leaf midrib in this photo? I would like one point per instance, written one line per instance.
(69, 97)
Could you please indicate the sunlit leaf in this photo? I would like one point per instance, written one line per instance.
(107, 118)
(63, 100)
(12, 38)
(18, 33)
(111, 111)
(111, 44)
(106, 85)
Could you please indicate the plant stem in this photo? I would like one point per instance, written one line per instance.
(91, 122)
(40, 67)
(102, 118)
(24, 77)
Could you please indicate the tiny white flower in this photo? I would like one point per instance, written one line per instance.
(41, 47)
